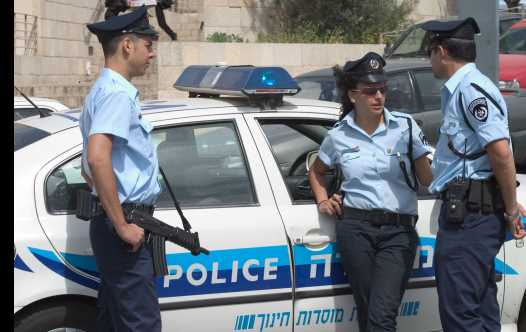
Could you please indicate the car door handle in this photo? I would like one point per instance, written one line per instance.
(312, 239)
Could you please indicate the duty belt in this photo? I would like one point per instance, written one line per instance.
(482, 196)
(380, 217)
(126, 207)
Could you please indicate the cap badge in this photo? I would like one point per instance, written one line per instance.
(374, 64)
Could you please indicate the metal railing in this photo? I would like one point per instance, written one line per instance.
(25, 34)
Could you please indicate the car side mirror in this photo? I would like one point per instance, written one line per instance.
(311, 157)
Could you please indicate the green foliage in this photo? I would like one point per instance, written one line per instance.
(330, 21)
(309, 32)
(221, 37)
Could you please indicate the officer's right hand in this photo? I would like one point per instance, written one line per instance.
(131, 234)
(331, 206)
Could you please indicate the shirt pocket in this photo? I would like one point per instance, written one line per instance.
(352, 164)
(453, 131)
(399, 151)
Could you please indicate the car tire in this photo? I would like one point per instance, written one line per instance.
(71, 314)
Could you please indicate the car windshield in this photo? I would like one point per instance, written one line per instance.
(410, 44)
(513, 42)
(26, 135)
(322, 88)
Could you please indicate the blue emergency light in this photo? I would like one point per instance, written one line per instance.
(236, 81)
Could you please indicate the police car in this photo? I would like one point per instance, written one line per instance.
(236, 155)
(24, 109)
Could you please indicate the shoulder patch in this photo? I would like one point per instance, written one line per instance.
(479, 109)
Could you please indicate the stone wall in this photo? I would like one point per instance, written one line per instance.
(68, 58)
(296, 58)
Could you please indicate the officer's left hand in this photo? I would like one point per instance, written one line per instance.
(515, 225)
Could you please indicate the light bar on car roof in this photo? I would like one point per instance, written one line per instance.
(236, 81)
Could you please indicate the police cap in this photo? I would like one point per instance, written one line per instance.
(367, 69)
(459, 29)
(135, 22)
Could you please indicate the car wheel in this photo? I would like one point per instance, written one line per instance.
(70, 316)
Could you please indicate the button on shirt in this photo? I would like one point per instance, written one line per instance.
(112, 107)
(487, 121)
(371, 170)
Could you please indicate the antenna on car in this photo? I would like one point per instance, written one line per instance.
(42, 113)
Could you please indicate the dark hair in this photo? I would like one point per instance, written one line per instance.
(109, 46)
(459, 49)
(344, 83)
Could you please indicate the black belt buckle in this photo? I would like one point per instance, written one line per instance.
(380, 218)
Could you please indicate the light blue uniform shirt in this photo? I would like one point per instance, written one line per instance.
(112, 107)
(371, 170)
(488, 123)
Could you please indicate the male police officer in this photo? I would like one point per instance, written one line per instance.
(474, 170)
(119, 161)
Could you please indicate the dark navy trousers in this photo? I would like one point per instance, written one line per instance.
(127, 299)
(378, 261)
(465, 272)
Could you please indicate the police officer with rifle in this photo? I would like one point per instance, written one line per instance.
(120, 165)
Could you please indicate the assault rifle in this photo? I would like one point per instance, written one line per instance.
(158, 232)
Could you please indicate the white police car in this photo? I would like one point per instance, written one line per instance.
(238, 167)
(24, 109)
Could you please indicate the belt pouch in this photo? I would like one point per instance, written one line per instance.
(487, 198)
(456, 201)
(474, 196)
(85, 205)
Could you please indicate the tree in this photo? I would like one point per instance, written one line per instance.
(354, 21)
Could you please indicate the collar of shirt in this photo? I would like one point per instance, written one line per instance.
(452, 83)
(389, 119)
(116, 77)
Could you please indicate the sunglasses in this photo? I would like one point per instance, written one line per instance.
(371, 91)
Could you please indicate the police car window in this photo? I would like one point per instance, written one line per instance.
(399, 95)
(21, 113)
(27, 135)
(429, 88)
(205, 165)
(291, 141)
(62, 185)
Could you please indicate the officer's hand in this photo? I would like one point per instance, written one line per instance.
(515, 224)
(131, 234)
(331, 206)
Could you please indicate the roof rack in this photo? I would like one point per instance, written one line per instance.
(264, 86)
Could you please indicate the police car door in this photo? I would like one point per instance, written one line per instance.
(322, 298)
(218, 178)
(213, 166)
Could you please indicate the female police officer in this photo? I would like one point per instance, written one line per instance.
(376, 235)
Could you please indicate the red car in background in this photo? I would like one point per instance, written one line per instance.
(512, 58)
